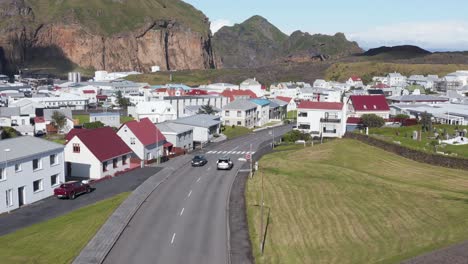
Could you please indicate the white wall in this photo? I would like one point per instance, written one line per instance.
(84, 164)
(27, 176)
(138, 148)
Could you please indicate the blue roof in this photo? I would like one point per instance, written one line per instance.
(261, 102)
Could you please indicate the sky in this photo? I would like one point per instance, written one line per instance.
(431, 24)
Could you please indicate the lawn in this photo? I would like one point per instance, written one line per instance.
(403, 135)
(292, 114)
(125, 119)
(82, 118)
(237, 131)
(347, 202)
(58, 240)
(57, 138)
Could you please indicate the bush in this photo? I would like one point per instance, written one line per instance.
(296, 135)
(372, 120)
(402, 116)
(93, 125)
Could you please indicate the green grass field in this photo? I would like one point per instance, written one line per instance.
(237, 131)
(82, 118)
(403, 135)
(292, 114)
(58, 240)
(125, 119)
(347, 202)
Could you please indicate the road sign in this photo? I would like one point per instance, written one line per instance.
(248, 156)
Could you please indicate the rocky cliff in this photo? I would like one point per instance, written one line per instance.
(101, 35)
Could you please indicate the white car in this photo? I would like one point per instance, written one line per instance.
(224, 163)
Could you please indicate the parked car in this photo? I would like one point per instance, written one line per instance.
(71, 189)
(199, 161)
(224, 163)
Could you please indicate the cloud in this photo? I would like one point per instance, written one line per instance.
(219, 23)
(445, 35)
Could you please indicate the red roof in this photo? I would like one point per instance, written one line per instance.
(89, 91)
(161, 90)
(354, 120)
(101, 97)
(320, 105)
(73, 132)
(39, 119)
(284, 99)
(232, 94)
(145, 131)
(369, 103)
(356, 79)
(104, 143)
(197, 92)
(380, 86)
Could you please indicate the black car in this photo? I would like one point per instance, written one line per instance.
(199, 161)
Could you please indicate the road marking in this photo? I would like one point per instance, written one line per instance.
(182, 212)
(190, 193)
(199, 179)
(173, 237)
(209, 152)
(243, 152)
(229, 152)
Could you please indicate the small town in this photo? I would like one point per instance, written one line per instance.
(146, 133)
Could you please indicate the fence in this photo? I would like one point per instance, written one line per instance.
(416, 155)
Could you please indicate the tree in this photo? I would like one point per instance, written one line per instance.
(296, 135)
(207, 110)
(426, 122)
(122, 101)
(59, 119)
(93, 125)
(402, 116)
(9, 132)
(372, 120)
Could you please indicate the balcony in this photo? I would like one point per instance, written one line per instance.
(330, 120)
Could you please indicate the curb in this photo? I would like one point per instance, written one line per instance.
(101, 244)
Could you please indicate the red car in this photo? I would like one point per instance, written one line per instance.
(71, 189)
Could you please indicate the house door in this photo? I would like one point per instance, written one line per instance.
(21, 196)
(69, 169)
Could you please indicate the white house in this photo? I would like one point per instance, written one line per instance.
(156, 111)
(96, 153)
(240, 112)
(30, 170)
(292, 105)
(181, 136)
(144, 139)
(111, 119)
(252, 85)
(205, 127)
(354, 81)
(359, 105)
(69, 124)
(180, 103)
(396, 79)
(322, 119)
(263, 111)
(11, 116)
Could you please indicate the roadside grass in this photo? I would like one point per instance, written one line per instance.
(58, 240)
(57, 138)
(82, 118)
(237, 131)
(403, 135)
(347, 202)
(124, 119)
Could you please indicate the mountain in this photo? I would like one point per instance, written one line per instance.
(256, 42)
(396, 52)
(114, 35)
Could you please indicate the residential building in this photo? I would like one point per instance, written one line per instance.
(359, 105)
(240, 112)
(205, 127)
(63, 101)
(278, 109)
(396, 79)
(144, 139)
(111, 119)
(322, 119)
(443, 113)
(354, 81)
(254, 86)
(179, 103)
(263, 111)
(292, 105)
(219, 87)
(181, 136)
(238, 94)
(11, 116)
(191, 110)
(69, 124)
(30, 170)
(96, 153)
(156, 111)
(415, 99)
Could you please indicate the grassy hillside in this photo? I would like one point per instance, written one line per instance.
(109, 17)
(368, 69)
(347, 202)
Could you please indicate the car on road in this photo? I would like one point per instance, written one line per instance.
(224, 163)
(199, 161)
(71, 189)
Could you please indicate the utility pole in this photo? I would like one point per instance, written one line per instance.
(251, 165)
(261, 215)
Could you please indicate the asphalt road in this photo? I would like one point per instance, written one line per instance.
(185, 219)
(52, 207)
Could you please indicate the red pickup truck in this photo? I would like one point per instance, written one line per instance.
(71, 189)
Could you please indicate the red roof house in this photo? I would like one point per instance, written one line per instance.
(284, 98)
(238, 94)
(356, 79)
(89, 91)
(96, 153)
(368, 104)
(144, 138)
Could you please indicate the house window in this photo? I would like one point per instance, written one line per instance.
(9, 197)
(37, 164)
(132, 141)
(104, 166)
(37, 186)
(53, 159)
(239, 123)
(239, 114)
(54, 180)
(302, 114)
(226, 122)
(226, 113)
(18, 167)
(124, 159)
(2, 174)
(305, 127)
(76, 148)
(114, 163)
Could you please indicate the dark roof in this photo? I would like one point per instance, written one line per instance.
(320, 105)
(104, 143)
(369, 103)
(146, 132)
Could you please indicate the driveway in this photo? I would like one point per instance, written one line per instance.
(52, 207)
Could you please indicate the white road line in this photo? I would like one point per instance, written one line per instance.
(224, 152)
(209, 152)
(182, 212)
(173, 237)
(229, 152)
(199, 179)
(190, 193)
(243, 152)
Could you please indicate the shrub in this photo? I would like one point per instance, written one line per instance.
(402, 116)
(372, 120)
(296, 135)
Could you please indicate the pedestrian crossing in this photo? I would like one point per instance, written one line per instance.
(230, 152)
